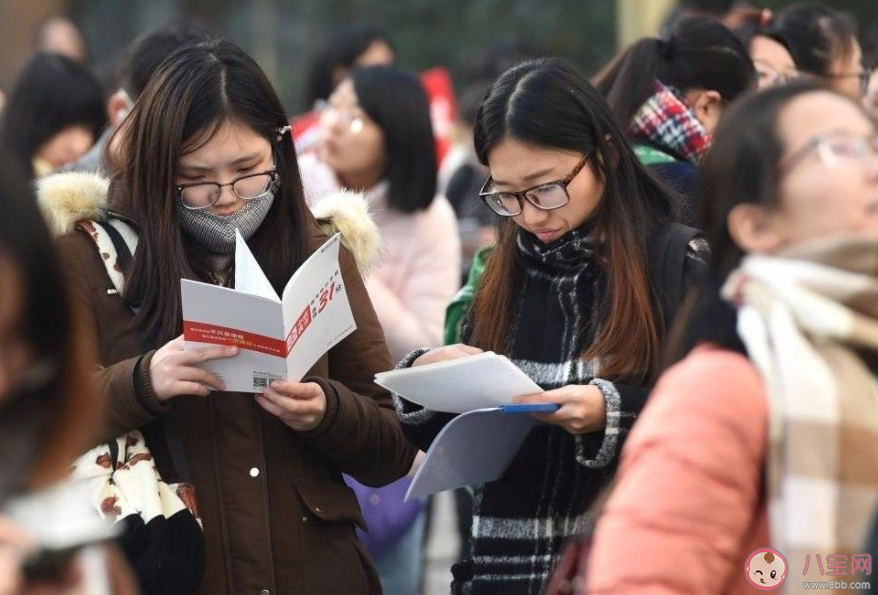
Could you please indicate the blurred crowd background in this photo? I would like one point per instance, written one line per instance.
(284, 36)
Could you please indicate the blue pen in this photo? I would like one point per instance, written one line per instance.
(530, 408)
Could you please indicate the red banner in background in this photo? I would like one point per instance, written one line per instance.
(443, 107)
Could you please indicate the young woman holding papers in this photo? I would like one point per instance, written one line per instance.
(206, 151)
(578, 293)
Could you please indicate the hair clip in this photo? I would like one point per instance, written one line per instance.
(282, 130)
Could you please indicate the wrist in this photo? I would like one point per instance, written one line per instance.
(143, 386)
(330, 412)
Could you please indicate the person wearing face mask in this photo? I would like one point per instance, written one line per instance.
(764, 434)
(377, 137)
(141, 60)
(574, 295)
(824, 45)
(671, 92)
(205, 151)
(47, 403)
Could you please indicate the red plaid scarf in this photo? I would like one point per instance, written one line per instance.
(667, 122)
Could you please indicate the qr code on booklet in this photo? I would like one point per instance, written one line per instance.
(262, 380)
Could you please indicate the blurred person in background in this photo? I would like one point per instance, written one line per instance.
(824, 44)
(54, 114)
(770, 420)
(870, 61)
(206, 154)
(48, 406)
(731, 13)
(59, 35)
(461, 178)
(670, 93)
(377, 138)
(770, 53)
(353, 46)
(581, 218)
(142, 58)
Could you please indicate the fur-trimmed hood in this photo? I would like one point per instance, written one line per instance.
(67, 198)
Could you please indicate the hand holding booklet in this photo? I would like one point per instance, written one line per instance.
(279, 338)
(478, 445)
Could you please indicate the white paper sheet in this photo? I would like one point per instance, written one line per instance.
(475, 447)
(249, 277)
(477, 382)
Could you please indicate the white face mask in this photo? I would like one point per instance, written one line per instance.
(216, 233)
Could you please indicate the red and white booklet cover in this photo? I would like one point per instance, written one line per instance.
(279, 338)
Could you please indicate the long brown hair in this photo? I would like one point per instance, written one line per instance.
(549, 103)
(61, 396)
(197, 89)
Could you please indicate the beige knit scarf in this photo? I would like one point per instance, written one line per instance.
(809, 319)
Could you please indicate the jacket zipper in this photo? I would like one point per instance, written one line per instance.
(265, 497)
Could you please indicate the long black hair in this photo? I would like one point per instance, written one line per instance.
(52, 93)
(816, 35)
(56, 398)
(549, 103)
(339, 54)
(396, 100)
(195, 91)
(699, 53)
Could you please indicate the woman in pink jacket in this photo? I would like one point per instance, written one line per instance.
(755, 462)
(377, 138)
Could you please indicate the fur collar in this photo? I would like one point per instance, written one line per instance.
(67, 198)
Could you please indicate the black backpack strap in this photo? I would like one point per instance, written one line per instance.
(667, 255)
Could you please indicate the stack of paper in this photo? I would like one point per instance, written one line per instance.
(478, 445)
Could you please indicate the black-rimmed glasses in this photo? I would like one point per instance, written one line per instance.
(202, 195)
(546, 197)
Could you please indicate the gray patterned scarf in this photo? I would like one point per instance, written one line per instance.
(216, 233)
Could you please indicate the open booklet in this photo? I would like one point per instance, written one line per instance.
(279, 338)
(478, 445)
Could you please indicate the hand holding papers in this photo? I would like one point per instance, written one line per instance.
(477, 446)
(461, 385)
(279, 338)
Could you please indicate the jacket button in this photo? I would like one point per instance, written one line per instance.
(265, 592)
(317, 509)
(254, 472)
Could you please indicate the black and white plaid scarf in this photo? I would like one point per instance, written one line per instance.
(521, 522)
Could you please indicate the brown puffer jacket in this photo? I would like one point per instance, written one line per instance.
(278, 519)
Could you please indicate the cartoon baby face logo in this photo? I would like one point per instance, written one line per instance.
(766, 569)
